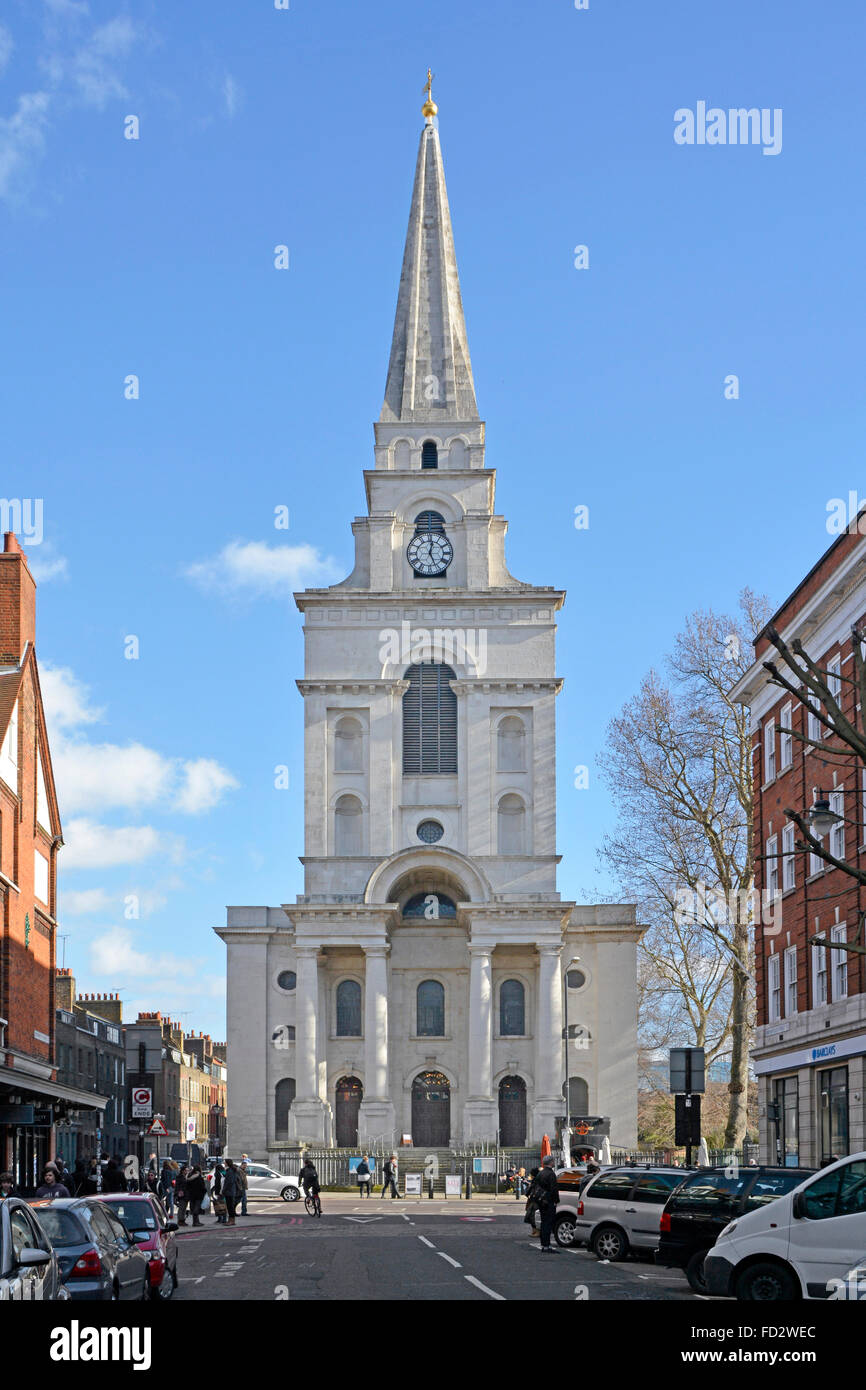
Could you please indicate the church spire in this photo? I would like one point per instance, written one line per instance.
(429, 374)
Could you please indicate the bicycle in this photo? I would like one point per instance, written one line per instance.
(313, 1204)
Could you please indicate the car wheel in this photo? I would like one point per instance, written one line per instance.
(565, 1232)
(290, 1194)
(165, 1288)
(115, 1294)
(766, 1283)
(610, 1243)
(144, 1296)
(695, 1272)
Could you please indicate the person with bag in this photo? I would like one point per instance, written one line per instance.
(364, 1176)
(231, 1190)
(180, 1195)
(220, 1209)
(547, 1189)
(390, 1178)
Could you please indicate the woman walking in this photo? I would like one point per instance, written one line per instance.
(231, 1190)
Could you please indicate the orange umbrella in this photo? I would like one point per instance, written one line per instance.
(545, 1146)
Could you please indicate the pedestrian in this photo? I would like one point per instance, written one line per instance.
(364, 1176)
(389, 1174)
(242, 1178)
(50, 1187)
(166, 1186)
(7, 1186)
(219, 1204)
(548, 1200)
(231, 1190)
(196, 1187)
(113, 1179)
(180, 1195)
(591, 1170)
(531, 1204)
(78, 1178)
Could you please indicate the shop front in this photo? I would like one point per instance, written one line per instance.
(812, 1103)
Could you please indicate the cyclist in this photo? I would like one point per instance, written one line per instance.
(309, 1180)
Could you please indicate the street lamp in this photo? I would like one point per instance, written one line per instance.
(566, 1128)
(821, 816)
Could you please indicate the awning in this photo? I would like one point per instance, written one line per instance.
(25, 1083)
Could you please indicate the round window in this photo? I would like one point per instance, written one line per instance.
(430, 831)
(287, 979)
(575, 979)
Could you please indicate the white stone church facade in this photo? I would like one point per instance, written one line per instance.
(419, 985)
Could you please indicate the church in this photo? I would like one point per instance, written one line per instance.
(424, 982)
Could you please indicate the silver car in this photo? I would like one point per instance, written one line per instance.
(263, 1181)
(617, 1211)
(29, 1267)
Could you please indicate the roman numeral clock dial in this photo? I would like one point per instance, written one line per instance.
(429, 553)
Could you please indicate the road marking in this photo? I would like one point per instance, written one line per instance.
(362, 1220)
(199, 1279)
(443, 1256)
(484, 1289)
(425, 1241)
(476, 1218)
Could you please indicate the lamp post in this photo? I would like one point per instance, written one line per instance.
(821, 816)
(566, 1128)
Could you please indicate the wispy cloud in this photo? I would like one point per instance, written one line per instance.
(254, 569)
(171, 979)
(22, 140)
(66, 699)
(6, 46)
(232, 96)
(90, 845)
(46, 563)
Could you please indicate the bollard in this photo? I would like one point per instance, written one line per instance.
(468, 1185)
(430, 1188)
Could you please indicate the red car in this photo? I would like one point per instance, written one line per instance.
(144, 1217)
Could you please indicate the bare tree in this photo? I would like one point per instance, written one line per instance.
(678, 763)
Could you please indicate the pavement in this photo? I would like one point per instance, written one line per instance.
(414, 1249)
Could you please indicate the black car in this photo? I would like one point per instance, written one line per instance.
(99, 1258)
(700, 1208)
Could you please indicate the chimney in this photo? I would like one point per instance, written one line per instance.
(64, 990)
(17, 602)
(106, 1006)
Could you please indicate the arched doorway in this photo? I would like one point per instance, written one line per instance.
(512, 1112)
(350, 1093)
(431, 1110)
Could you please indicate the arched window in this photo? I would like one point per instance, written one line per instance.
(429, 521)
(578, 1096)
(431, 1009)
(348, 745)
(512, 1009)
(511, 745)
(402, 454)
(348, 1009)
(348, 824)
(429, 454)
(429, 719)
(457, 454)
(511, 819)
(430, 906)
(284, 1094)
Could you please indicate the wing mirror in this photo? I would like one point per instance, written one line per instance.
(141, 1237)
(798, 1207)
(170, 1226)
(31, 1257)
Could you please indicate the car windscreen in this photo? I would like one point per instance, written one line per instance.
(709, 1194)
(61, 1226)
(769, 1186)
(136, 1216)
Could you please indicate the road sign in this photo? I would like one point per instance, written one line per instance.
(158, 1128)
(687, 1120)
(190, 1128)
(453, 1184)
(142, 1102)
(413, 1185)
(687, 1071)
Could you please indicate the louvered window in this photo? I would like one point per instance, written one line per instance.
(429, 521)
(429, 454)
(429, 720)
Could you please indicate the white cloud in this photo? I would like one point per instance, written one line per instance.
(85, 901)
(204, 782)
(22, 139)
(232, 96)
(66, 699)
(93, 68)
(45, 563)
(94, 776)
(169, 978)
(89, 845)
(254, 568)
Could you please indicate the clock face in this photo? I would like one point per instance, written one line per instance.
(430, 552)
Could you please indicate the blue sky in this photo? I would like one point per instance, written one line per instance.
(258, 388)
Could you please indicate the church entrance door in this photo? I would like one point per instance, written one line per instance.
(512, 1112)
(350, 1093)
(431, 1110)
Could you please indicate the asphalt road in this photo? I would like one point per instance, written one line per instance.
(414, 1249)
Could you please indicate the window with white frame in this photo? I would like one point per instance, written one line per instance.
(789, 863)
(769, 750)
(837, 831)
(786, 740)
(819, 973)
(839, 962)
(790, 968)
(814, 727)
(834, 677)
(774, 989)
(772, 861)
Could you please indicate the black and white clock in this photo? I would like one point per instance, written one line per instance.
(429, 552)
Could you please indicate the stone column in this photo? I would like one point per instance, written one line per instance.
(376, 1118)
(480, 1118)
(308, 1117)
(549, 1100)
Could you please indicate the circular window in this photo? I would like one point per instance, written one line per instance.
(575, 979)
(287, 980)
(430, 831)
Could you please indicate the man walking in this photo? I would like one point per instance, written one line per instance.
(242, 1178)
(390, 1178)
(547, 1199)
(196, 1187)
(364, 1177)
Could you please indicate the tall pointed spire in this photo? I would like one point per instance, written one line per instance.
(429, 374)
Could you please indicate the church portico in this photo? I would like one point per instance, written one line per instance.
(419, 984)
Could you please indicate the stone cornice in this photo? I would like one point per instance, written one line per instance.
(351, 687)
(450, 598)
(465, 686)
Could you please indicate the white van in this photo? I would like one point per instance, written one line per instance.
(800, 1246)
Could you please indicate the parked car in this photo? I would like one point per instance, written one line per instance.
(29, 1266)
(143, 1216)
(703, 1205)
(809, 1244)
(263, 1181)
(618, 1211)
(98, 1258)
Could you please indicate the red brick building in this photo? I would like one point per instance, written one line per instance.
(810, 1046)
(30, 836)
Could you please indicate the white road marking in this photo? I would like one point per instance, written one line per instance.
(443, 1256)
(484, 1289)
(425, 1241)
(199, 1279)
(362, 1220)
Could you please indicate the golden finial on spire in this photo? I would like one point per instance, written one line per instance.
(429, 109)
